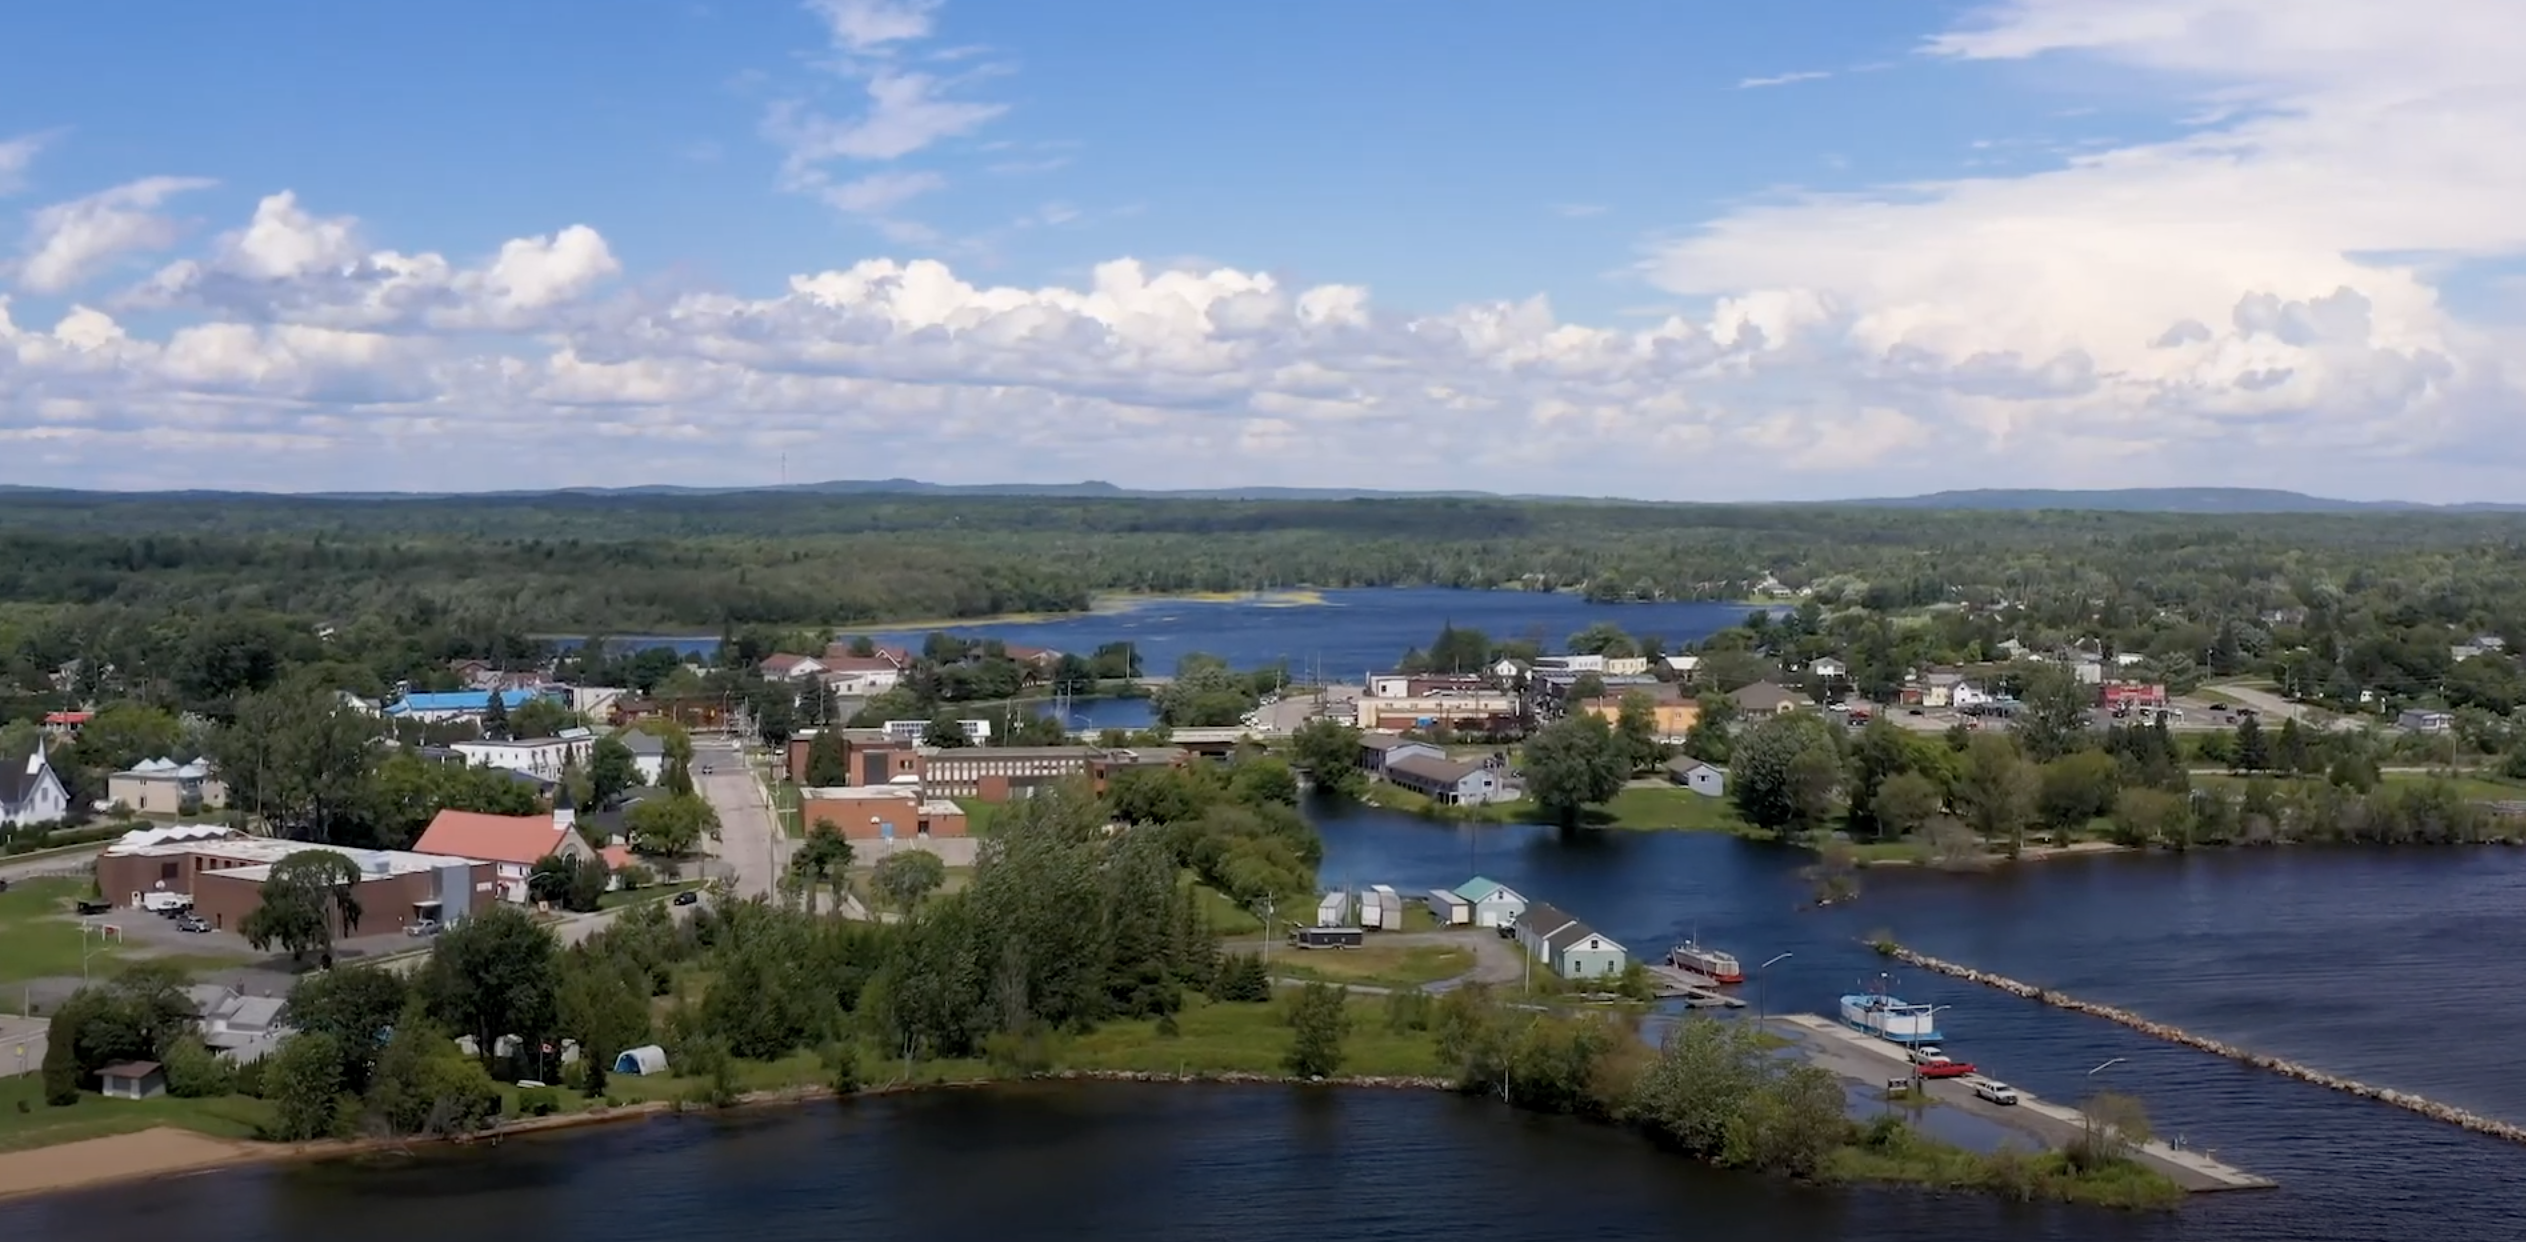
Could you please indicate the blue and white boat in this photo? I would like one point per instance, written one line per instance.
(1890, 1019)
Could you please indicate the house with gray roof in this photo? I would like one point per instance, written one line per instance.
(1449, 783)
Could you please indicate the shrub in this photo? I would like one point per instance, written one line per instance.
(1408, 1010)
(538, 1102)
(247, 1079)
(195, 1072)
(841, 1066)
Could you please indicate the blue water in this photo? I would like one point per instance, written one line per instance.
(2401, 968)
(1350, 634)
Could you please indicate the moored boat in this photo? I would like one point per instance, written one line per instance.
(1709, 963)
(1890, 1019)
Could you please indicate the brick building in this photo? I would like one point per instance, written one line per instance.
(223, 871)
(986, 773)
(895, 812)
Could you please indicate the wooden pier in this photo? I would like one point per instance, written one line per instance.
(1674, 983)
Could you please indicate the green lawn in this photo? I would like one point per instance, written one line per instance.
(41, 938)
(979, 815)
(1673, 807)
(1246, 1039)
(94, 1116)
(1376, 965)
(785, 808)
(1227, 917)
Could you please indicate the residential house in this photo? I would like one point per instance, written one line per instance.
(223, 871)
(1507, 672)
(2478, 645)
(2125, 659)
(1765, 698)
(1376, 750)
(2425, 720)
(597, 703)
(542, 757)
(881, 812)
(66, 724)
(1705, 779)
(237, 1026)
(786, 667)
(512, 843)
(860, 677)
(1449, 783)
(456, 704)
(1829, 668)
(365, 707)
(31, 793)
(1938, 687)
(1569, 947)
(1685, 667)
(648, 751)
(164, 787)
(1965, 695)
(1494, 904)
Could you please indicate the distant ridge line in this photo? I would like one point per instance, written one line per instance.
(2190, 500)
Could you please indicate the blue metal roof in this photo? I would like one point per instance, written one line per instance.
(459, 701)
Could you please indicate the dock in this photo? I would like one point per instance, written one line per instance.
(1872, 1061)
(1675, 983)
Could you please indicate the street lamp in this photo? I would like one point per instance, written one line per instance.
(1762, 986)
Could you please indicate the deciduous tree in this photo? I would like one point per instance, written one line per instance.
(308, 895)
(1573, 764)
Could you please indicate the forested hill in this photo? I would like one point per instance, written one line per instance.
(2198, 500)
(2195, 500)
(625, 563)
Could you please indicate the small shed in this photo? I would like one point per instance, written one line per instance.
(643, 1060)
(1450, 908)
(132, 1080)
(1708, 780)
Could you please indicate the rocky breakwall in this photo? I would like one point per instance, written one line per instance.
(2405, 1100)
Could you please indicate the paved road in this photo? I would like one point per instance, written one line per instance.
(2278, 708)
(750, 841)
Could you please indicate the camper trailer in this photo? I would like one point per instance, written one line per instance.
(1327, 937)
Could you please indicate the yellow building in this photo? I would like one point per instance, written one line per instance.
(1675, 716)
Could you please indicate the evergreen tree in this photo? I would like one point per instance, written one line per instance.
(2297, 757)
(495, 715)
(2252, 751)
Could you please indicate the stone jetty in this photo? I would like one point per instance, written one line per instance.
(2405, 1100)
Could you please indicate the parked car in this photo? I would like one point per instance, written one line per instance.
(192, 923)
(1944, 1068)
(688, 897)
(424, 927)
(1924, 1054)
(1995, 1091)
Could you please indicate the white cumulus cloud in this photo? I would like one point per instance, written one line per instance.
(17, 155)
(67, 243)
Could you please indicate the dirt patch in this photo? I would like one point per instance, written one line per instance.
(122, 1157)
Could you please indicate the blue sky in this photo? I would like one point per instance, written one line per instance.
(1798, 249)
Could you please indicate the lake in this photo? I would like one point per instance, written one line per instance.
(1349, 635)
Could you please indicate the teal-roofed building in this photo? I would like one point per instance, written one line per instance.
(1494, 904)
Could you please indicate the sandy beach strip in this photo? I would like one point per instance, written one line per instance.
(118, 1158)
